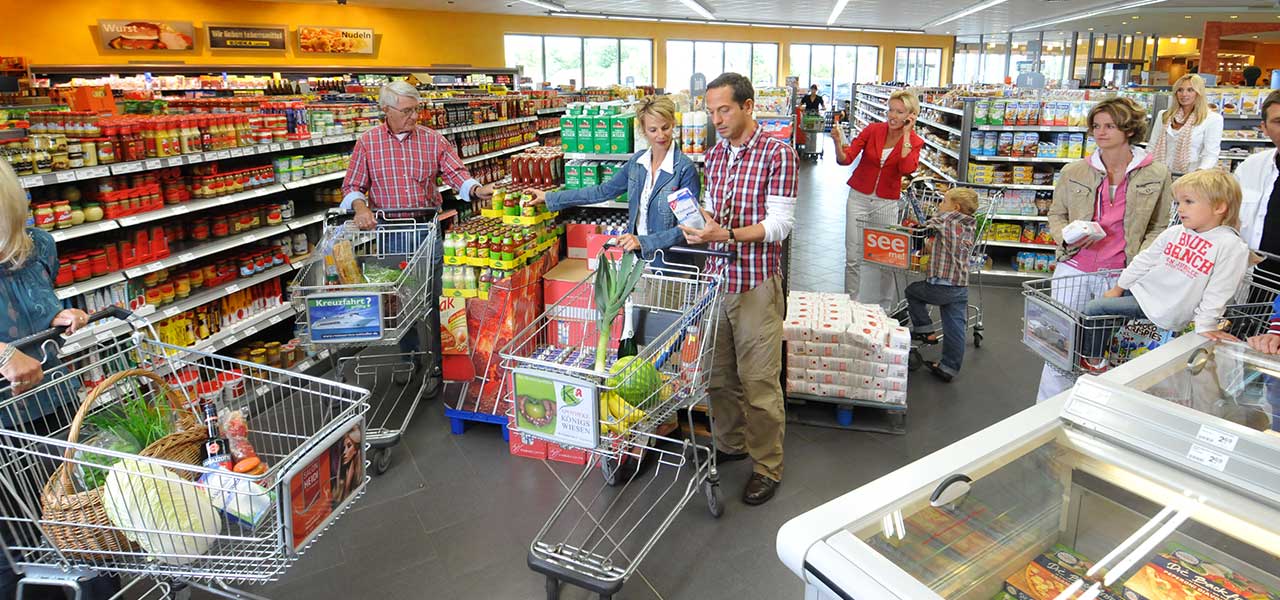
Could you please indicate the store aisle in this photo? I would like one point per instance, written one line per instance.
(453, 517)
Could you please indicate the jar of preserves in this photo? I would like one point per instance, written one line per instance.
(92, 212)
(77, 215)
(98, 265)
(65, 275)
(81, 267)
(167, 294)
(246, 267)
(196, 278)
(182, 286)
(62, 214)
(107, 148)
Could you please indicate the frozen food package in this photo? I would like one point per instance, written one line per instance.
(1195, 576)
(1214, 98)
(1080, 232)
(1050, 574)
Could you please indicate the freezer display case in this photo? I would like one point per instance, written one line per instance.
(1159, 480)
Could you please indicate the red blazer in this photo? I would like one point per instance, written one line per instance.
(870, 178)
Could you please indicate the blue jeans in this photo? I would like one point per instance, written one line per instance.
(953, 302)
(1095, 337)
(411, 342)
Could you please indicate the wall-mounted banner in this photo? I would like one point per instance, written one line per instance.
(146, 35)
(246, 37)
(335, 40)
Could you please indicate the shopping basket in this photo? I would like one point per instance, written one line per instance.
(402, 250)
(1055, 325)
(601, 531)
(894, 236)
(174, 520)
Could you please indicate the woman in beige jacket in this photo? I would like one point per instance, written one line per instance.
(1124, 190)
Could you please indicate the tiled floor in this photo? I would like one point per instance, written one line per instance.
(453, 517)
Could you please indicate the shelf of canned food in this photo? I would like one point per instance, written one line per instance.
(481, 291)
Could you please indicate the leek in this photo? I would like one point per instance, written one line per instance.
(613, 284)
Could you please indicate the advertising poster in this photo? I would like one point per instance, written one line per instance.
(1050, 332)
(885, 247)
(335, 40)
(336, 318)
(145, 36)
(557, 408)
(246, 37)
(326, 480)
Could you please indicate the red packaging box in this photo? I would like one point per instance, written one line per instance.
(575, 235)
(595, 245)
(573, 456)
(524, 445)
(556, 287)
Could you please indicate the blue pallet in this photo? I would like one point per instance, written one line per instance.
(458, 421)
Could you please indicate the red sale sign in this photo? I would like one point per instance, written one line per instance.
(888, 248)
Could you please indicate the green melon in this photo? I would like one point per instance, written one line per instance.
(635, 380)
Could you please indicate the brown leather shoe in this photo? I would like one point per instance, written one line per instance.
(759, 489)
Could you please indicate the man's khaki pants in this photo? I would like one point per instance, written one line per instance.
(746, 395)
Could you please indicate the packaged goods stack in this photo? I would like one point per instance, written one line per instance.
(838, 348)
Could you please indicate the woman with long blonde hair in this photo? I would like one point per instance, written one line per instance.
(1187, 136)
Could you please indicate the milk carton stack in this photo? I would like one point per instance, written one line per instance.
(839, 348)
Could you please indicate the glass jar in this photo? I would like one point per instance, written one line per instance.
(44, 217)
(92, 212)
(62, 214)
(81, 267)
(107, 148)
(98, 265)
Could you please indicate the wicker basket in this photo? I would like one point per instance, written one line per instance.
(61, 503)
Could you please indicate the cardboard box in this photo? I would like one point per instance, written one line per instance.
(573, 456)
(1195, 575)
(601, 133)
(621, 136)
(589, 175)
(571, 317)
(583, 134)
(1049, 574)
(525, 445)
(572, 175)
(595, 245)
(575, 235)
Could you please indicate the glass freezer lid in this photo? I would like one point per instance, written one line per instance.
(1074, 516)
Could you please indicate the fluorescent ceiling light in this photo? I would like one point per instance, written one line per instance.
(835, 12)
(551, 6)
(964, 13)
(582, 16)
(1086, 14)
(809, 27)
(698, 8)
(648, 19)
(769, 25)
(852, 29)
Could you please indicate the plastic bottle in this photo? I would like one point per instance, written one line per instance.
(689, 356)
(470, 276)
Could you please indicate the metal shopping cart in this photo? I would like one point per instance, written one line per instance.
(602, 529)
(894, 236)
(397, 259)
(813, 126)
(1056, 327)
(157, 514)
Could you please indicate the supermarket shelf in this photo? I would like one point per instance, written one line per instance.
(874, 117)
(1031, 159)
(195, 205)
(217, 294)
(953, 111)
(1012, 273)
(946, 128)
(1023, 186)
(875, 105)
(191, 254)
(549, 111)
(72, 233)
(300, 222)
(937, 170)
(245, 329)
(301, 183)
(489, 125)
(1021, 245)
(88, 285)
(1047, 128)
(873, 94)
(1020, 218)
(608, 204)
(548, 130)
(941, 148)
(32, 181)
(476, 159)
(1245, 141)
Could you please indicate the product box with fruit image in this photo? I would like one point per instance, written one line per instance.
(1049, 574)
(1179, 573)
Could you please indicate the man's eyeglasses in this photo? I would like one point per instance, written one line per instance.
(411, 111)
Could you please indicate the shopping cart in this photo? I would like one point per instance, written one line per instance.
(813, 126)
(1056, 327)
(601, 531)
(894, 236)
(399, 255)
(157, 514)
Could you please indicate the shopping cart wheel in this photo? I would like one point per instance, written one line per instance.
(715, 502)
(553, 588)
(381, 460)
(977, 339)
(915, 360)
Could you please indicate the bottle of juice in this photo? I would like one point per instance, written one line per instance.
(689, 356)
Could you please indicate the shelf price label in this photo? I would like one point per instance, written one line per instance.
(153, 163)
(233, 288)
(1220, 439)
(1209, 458)
(33, 181)
(129, 167)
(65, 176)
(175, 161)
(69, 291)
(250, 330)
(187, 257)
(93, 173)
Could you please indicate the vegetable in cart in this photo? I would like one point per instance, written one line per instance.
(613, 286)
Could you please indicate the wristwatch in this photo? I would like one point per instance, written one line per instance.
(731, 238)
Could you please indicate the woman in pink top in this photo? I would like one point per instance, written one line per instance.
(1121, 188)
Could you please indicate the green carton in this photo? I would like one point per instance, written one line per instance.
(572, 175)
(620, 133)
(569, 133)
(583, 134)
(590, 175)
(600, 134)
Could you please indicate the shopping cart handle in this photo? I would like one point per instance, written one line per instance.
(335, 213)
(729, 254)
(35, 339)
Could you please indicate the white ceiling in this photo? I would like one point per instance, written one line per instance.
(1166, 18)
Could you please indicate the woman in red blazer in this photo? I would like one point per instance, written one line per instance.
(877, 184)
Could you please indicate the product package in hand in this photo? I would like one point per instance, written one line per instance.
(1078, 233)
(839, 348)
(685, 206)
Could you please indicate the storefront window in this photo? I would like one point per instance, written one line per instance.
(684, 58)
(637, 61)
(564, 60)
(525, 51)
(800, 64)
(918, 66)
(679, 65)
(993, 59)
(764, 65)
(591, 62)
(966, 65)
(834, 69)
(600, 62)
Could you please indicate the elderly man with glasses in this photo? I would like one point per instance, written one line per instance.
(394, 166)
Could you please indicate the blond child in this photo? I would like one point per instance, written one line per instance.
(947, 285)
(1187, 274)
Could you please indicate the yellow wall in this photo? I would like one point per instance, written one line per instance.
(64, 32)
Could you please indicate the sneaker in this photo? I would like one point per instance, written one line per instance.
(1093, 365)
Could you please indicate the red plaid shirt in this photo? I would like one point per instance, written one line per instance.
(952, 247)
(402, 174)
(737, 189)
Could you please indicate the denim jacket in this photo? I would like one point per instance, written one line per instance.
(663, 232)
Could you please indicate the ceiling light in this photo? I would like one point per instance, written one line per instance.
(1254, 37)
(1124, 22)
(583, 16)
(698, 8)
(808, 27)
(1128, 39)
(1138, 32)
(1090, 29)
(981, 6)
(1235, 16)
(1086, 14)
(835, 12)
(544, 4)
(648, 19)
(1136, 17)
(991, 44)
(770, 25)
